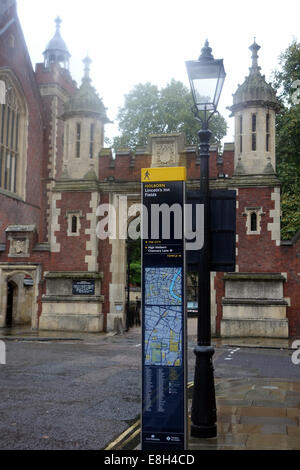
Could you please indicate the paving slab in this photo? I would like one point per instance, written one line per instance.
(256, 424)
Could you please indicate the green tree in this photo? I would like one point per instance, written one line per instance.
(150, 110)
(288, 137)
(135, 261)
(288, 73)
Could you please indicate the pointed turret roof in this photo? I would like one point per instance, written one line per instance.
(56, 51)
(86, 100)
(255, 90)
(57, 43)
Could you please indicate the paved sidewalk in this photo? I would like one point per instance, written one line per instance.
(255, 414)
(25, 333)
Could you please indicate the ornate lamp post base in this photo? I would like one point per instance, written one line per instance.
(204, 414)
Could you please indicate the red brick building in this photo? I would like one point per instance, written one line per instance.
(55, 271)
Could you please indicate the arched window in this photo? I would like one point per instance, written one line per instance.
(73, 223)
(241, 134)
(12, 135)
(253, 220)
(92, 131)
(253, 132)
(78, 138)
(268, 132)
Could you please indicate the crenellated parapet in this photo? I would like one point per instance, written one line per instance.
(163, 150)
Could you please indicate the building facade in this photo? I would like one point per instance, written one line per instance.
(56, 271)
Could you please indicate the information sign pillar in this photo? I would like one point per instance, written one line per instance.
(163, 309)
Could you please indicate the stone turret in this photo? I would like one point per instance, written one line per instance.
(56, 51)
(86, 101)
(84, 116)
(254, 108)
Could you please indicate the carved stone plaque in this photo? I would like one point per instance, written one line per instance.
(165, 149)
(18, 247)
(165, 152)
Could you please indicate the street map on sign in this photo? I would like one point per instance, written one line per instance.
(163, 316)
(163, 286)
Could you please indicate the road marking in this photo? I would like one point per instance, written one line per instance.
(131, 437)
(231, 353)
(124, 435)
(130, 433)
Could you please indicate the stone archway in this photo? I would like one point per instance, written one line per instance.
(19, 301)
(18, 298)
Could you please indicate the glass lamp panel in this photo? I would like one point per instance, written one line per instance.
(204, 79)
(204, 92)
(219, 89)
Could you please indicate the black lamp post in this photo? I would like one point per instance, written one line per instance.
(206, 77)
(128, 317)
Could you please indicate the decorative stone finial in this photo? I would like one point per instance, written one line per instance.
(87, 62)
(254, 48)
(58, 22)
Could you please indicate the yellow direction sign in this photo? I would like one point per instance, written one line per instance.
(175, 173)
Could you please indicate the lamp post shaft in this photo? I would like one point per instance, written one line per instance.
(204, 330)
(203, 415)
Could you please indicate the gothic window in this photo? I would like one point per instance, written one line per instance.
(78, 138)
(73, 221)
(241, 134)
(92, 129)
(253, 134)
(253, 220)
(12, 129)
(67, 140)
(268, 132)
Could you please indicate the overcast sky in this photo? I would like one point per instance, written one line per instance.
(135, 41)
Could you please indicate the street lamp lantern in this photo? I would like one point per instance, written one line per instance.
(206, 77)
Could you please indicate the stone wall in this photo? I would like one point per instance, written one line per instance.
(254, 305)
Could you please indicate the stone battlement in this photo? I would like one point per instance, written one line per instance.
(163, 150)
